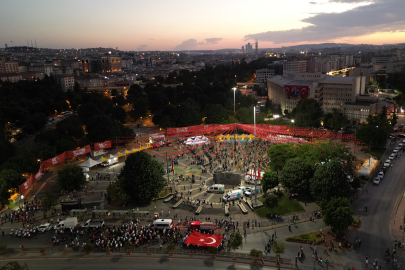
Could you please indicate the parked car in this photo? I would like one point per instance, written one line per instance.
(381, 175)
(45, 227)
(392, 156)
(400, 145)
(376, 181)
(387, 163)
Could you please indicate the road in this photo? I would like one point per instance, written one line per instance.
(126, 262)
(381, 201)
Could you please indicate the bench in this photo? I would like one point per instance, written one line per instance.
(168, 198)
(242, 207)
(178, 203)
(227, 210)
(198, 211)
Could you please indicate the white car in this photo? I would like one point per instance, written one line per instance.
(387, 163)
(395, 151)
(250, 192)
(376, 181)
(391, 157)
(244, 188)
(380, 175)
(400, 145)
(45, 227)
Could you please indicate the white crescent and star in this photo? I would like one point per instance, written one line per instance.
(213, 241)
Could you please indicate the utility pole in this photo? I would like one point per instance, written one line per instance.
(167, 169)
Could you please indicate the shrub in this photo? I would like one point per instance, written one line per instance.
(271, 201)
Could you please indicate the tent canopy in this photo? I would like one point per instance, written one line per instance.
(89, 163)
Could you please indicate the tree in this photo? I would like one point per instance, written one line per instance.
(278, 248)
(279, 154)
(119, 114)
(48, 201)
(296, 175)
(338, 214)
(14, 266)
(215, 114)
(12, 178)
(330, 181)
(186, 115)
(116, 193)
(256, 253)
(394, 119)
(337, 120)
(307, 113)
(323, 152)
(235, 241)
(171, 247)
(374, 136)
(269, 180)
(142, 178)
(71, 177)
(101, 128)
(4, 194)
(271, 201)
(87, 111)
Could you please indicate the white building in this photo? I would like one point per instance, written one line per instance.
(66, 82)
(330, 91)
(263, 74)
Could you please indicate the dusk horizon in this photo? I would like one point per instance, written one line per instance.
(183, 25)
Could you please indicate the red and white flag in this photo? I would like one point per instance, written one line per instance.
(204, 240)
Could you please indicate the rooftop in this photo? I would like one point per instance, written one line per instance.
(336, 79)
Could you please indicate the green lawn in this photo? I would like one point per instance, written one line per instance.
(307, 237)
(285, 206)
(164, 192)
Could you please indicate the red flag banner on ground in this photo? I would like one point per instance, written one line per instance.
(204, 240)
(102, 145)
(79, 152)
(55, 160)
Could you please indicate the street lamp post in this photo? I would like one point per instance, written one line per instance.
(254, 124)
(234, 106)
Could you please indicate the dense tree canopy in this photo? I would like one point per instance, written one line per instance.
(338, 214)
(142, 178)
(279, 154)
(307, 113)
(269, 180)
(296, 176)
(71, 177)
(330, 181)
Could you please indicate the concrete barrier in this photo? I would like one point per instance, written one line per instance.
(242, 208)
(198, 211)
(178, 203)
(168, 199)
(227, 210)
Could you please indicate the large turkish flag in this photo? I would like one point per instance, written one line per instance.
(204, 240)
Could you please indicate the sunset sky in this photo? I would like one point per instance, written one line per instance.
(199, 25)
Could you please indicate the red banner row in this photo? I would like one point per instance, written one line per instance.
(58, 159)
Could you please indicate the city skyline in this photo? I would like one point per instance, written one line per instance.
(188, 25)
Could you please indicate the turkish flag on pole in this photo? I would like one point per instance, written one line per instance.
(204, 240)
(259, 174)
